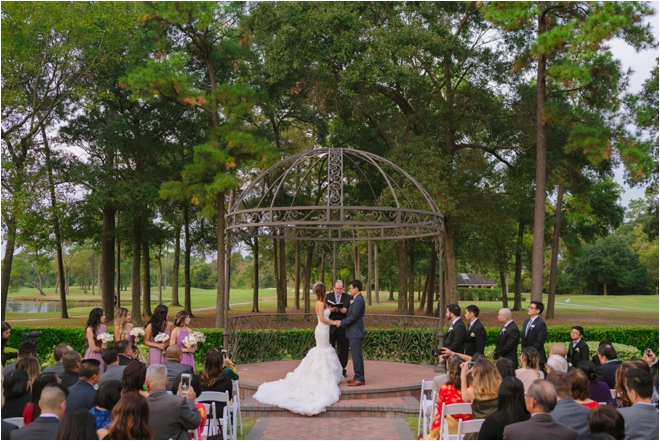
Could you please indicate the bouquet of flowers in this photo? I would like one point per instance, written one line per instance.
(137, 332)
(189, 341)
(199, 336)
(105, 337)
(162, 338)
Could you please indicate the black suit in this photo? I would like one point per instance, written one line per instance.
(81, 396)
(535, 337)
(124, 360)
(607, 371)
(507, 343)
(338, 335)
(455, 337)
(7, 428)
(578, 354)
(69, 378)
(475, 341)
(41, 428)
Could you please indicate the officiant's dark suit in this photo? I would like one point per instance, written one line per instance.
(338, 335)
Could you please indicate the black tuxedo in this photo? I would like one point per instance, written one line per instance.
(535, 337)
(507, 343)
(607, 371)
(455, 337)
(124, 360)
(338, 335)
(475, 341)
(577, 354)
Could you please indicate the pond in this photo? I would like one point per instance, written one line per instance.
(37, 306)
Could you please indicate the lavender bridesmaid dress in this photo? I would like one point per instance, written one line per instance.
(188, 357)
(156, 356)
(97, 355)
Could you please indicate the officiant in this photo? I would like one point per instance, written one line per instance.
(339, 303)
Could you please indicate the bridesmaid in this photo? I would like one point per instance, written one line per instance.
(95, 326)
(181, 331)
(123, 326)
(157, 323)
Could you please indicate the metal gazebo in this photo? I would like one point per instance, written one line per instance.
(333, 196)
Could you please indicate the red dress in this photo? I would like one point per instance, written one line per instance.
(449, 394)
(590, 405)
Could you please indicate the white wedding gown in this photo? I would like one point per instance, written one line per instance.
(314, 384)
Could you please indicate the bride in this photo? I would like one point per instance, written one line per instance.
(313, 385)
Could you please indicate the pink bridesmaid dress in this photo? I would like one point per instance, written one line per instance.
(188, 357)
(156, 356)
(96, 355)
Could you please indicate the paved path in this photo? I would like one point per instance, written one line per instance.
(330, 428)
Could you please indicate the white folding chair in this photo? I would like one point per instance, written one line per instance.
(425, 407)
(237, 403)
(471, 426)
(452, 409)
(613, 393)
(228, 426)
(16, 421)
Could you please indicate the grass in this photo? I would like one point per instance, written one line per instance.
(248, 422)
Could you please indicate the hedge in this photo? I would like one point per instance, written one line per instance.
(411, 345)
(625, 353)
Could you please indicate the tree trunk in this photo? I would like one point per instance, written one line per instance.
(450, 284)
(431, 289)
(98, 277)
(376, 274)
(322, 275)
(411, 283)
(283, 286)
(146, 285)
(307, 283)
(391, 286)
(106, 285)
(186, 261)
(118, 270)
(550, 307)
(517, 282)
(539, 200)
(136, 314)
(255, 289)
(296, 289)
(175, 266)
(403, 277)
(220, 300)
(369, 273)
(422, 297)
(505, 292)
(605, 288)
(7, 261)
(160, 279)
(92, 280)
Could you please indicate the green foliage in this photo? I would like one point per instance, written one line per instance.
(483, 294)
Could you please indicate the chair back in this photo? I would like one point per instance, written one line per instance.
(16, 421)
(471, 426)
(452, 409)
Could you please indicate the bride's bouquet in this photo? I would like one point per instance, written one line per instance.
(137, 332)
(162, 338)
(105, 337)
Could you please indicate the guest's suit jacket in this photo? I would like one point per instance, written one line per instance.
(455, 337)
(354, 321)
(69, 378)
(57, 368)
(174, 368)
(507, 343)
(535, 337)
(346, 301)
(41, 428)
(475, 340)
(641, 421)
(124, 360)
(607, 371)
(7, 429)
(81, 396)
(578, 354)
(112, 372)
(171, 416)
(539, 426)
(572, 414)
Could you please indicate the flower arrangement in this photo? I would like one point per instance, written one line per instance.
(162, 338)
(137, 332)
(199, 336)
(193, 338)
(105, 337)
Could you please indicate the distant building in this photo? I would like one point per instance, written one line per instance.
(466, 280)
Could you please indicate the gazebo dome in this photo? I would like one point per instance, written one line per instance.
(335, 195)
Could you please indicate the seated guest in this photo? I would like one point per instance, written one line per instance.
(17, 393)
(173, 364)
(32, 410)
(604, 419)
(113, 371)
(53, 406)
(25, 350)
(580, 388)
(505, 367)
(608, 364)
(595, 360)
(641, 418)
(195, 384)
(171, 415)
(105, 399)
(567, 410)
(529, 372)
(449, 393)
(621, 399)
(557, 363)
(7, 427)
(81, 394)
(510, 409)
(540, 399)
(71, 364)
(578, 350)
(598, 390)
(482, 391)
(31, 366)
(558, 349)
(78, 424)
(58, 352)
(134, 379)
(130, 419)
(124, 351)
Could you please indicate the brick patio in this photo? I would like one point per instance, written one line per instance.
(330, 428)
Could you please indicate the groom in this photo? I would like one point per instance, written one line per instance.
(355, 331)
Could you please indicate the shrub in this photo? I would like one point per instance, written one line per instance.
(625, 353)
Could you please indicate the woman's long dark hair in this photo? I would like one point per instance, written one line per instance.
(94, 320)
(511, 400)
(38, 385)
(5, 328)
(134, 377)
(78, 424)
(158, 320)
(130, 418)
(214, 368)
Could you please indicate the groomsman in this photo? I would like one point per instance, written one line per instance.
(338, 335)
(455, 337)
(507, 341)
(475, 341)
(577, 350)
(534, 331)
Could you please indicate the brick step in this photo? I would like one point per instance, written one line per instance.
(381, 407)
(353, 393)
